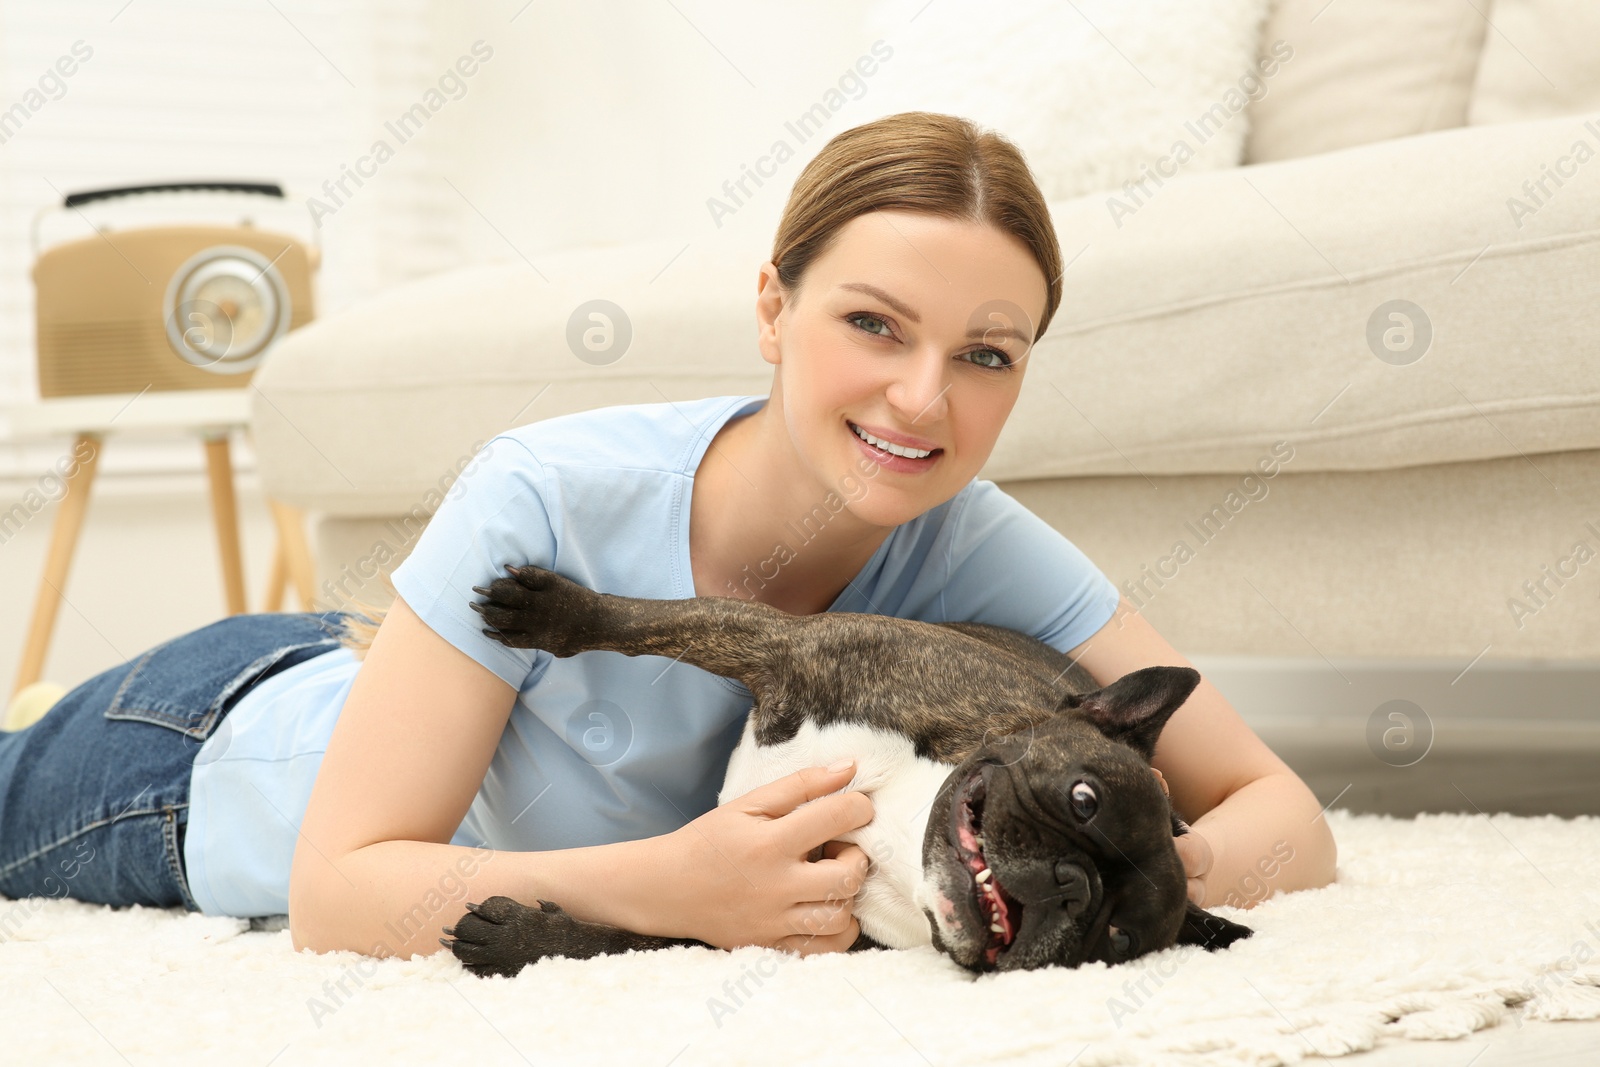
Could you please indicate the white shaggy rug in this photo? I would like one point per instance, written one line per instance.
(1433, 929)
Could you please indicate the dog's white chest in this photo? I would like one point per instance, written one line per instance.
(902, 786)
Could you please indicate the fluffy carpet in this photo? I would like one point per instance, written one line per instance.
(1435, 927)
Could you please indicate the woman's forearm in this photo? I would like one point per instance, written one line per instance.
(1266, 836)
(394, 898)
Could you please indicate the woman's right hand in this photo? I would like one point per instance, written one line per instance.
(741, 874)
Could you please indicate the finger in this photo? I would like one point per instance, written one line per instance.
(1197, 892)
(833, 849)
(812, 946)
(779, 798)
(839, 938)
(827, 818)
(820, 918)
(827, 850)
(837, 878)
(1195, 851)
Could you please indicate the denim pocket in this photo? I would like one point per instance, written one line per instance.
(188, 683)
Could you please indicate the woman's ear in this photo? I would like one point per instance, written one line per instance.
(771, 300)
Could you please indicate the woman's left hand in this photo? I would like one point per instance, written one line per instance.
(1195, 852)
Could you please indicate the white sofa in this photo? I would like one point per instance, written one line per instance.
(1229, 313)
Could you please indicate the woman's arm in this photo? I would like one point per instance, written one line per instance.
(371, 870)
(373, 873)
(1263, 826)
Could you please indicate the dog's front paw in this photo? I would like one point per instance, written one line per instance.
(537, 608)
(502, 936)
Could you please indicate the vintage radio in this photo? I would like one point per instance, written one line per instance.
(166, 307)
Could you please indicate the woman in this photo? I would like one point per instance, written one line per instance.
(368, 777)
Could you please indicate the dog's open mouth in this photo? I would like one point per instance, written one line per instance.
(1003, 912)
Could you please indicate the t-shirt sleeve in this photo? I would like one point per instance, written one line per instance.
(494, 513)
(1008, 567)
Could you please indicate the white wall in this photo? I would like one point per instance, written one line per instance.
(612, 123)
(587, 124)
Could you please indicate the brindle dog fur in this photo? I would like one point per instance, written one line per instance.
(984, 699)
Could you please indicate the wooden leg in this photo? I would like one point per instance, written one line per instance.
(63, 540)
(294, 552)
(225, 515)
(273, 600)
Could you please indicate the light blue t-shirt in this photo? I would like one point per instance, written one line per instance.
(602, 747)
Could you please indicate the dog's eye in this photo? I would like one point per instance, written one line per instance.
(1084, 801)
(1121, 942)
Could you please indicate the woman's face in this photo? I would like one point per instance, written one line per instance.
(929, 356)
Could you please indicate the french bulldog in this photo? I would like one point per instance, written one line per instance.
(1017, 821)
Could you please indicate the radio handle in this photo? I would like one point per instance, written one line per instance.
(89, 196)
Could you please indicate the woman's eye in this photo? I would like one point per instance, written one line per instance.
(870, 318)
(1002, 361)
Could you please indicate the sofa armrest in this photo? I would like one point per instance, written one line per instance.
(373, 410)
(1209, 316)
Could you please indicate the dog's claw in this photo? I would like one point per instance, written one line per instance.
(447, 943)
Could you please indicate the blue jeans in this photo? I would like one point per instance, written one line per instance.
(94, 797)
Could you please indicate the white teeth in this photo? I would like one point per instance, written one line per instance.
(909, 453)
(982, 876)
(997, 928)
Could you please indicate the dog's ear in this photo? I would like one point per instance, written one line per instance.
(1200, 927)
(1135, 707)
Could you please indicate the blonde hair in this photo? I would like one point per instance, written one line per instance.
(917, 161)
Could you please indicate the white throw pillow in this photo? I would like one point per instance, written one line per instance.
(1095, 92)
(1540, 61)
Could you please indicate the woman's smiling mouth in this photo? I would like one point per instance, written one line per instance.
(891, 456)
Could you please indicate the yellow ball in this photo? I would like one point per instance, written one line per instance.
(30, 704)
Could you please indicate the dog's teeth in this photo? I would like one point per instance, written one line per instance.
(983, 875)
(997, 928)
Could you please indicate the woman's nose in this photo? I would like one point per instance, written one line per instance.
(919, 392)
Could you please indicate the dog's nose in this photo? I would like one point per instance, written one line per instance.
(1074, 889)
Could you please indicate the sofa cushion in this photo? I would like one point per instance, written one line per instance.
(1544, 60)
(1229, 311)
(1363, 71)
(1095, 92)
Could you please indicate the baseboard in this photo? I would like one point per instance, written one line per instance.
(1402, 736)
(1534, 703)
